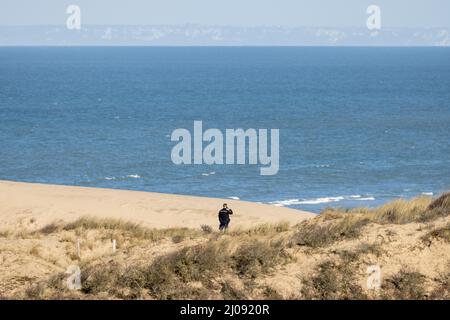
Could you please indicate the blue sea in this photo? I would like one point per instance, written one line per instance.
(358, 126)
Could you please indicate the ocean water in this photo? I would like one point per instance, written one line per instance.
(358, 126)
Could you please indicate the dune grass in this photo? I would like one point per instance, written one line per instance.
(316, 234)
(420, 209)
(128, 229)
(442, 290)
(333, 280)
(188, 273)
(266, 229)
(232, 265)
(334, 225)
(361, 250)
(255, 258)
(404, 285)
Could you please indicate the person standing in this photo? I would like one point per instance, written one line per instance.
(224, 217)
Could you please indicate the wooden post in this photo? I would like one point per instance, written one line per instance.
(78, 248)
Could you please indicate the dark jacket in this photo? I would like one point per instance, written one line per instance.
(224, 214)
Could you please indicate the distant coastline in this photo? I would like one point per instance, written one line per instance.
(216, 35)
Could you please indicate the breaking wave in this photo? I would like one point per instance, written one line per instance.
(290, 202)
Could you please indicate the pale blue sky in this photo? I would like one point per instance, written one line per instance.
(327, 13)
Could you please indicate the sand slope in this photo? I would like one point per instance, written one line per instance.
(21, 202)
(413, 256)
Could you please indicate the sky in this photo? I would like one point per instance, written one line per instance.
(291, 13)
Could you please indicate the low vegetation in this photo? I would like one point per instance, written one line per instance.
(314, 234)
(361, 250)
(337, 224)
(189, 273)
(127, 229)
(439, 233)
(405, 285)
(259, 257)
(442, 290)
(333, 280)
(322, 258)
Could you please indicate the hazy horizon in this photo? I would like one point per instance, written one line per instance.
(287, 13)
(216, 35)
(232, 22)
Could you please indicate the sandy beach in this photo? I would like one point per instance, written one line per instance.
(44, 204)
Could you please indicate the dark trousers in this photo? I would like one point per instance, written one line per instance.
(223, 224)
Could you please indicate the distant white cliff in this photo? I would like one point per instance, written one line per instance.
(189, 35)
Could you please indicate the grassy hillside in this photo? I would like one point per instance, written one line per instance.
(326, 257)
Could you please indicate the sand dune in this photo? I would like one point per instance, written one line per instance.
(43, 204)
(327, 257)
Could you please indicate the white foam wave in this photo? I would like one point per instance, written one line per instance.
(427, 193)
(321, 200)
(366, 199)
(134, 176)
(234, 198)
